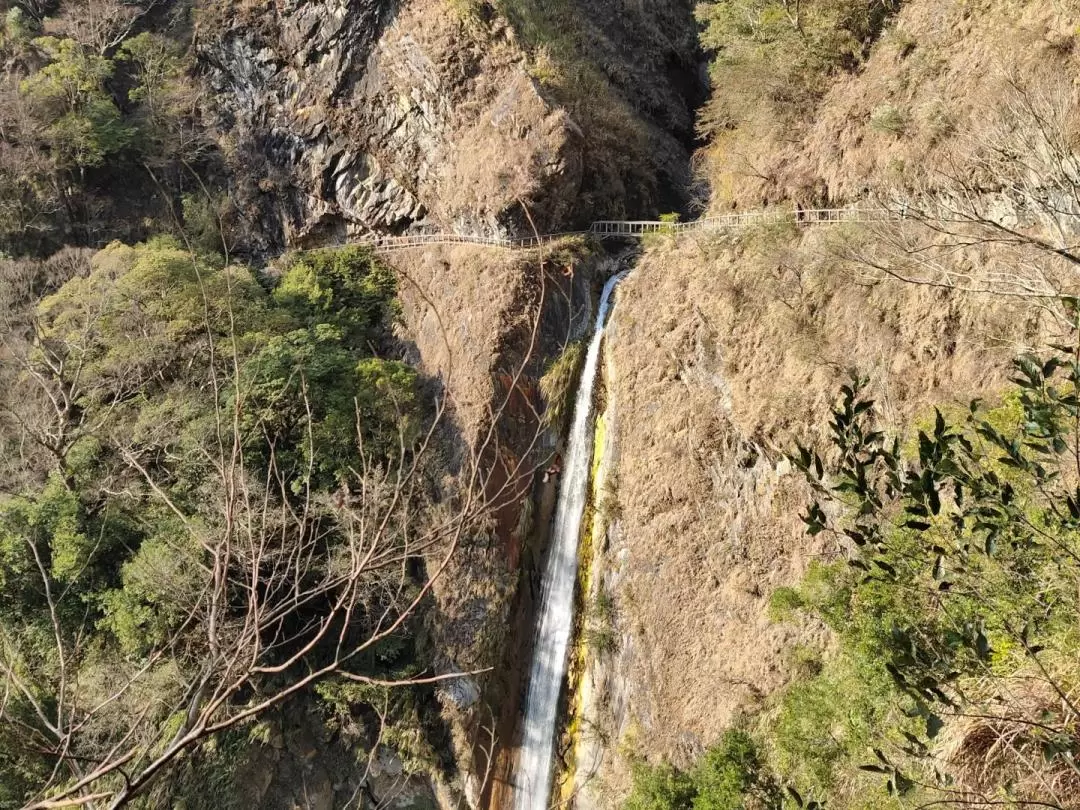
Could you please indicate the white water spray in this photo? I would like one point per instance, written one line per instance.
(533, 783)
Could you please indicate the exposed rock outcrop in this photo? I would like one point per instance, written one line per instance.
(298, 761)
(361, 115)
(371, 115)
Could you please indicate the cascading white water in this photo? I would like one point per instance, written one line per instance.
(533, 782)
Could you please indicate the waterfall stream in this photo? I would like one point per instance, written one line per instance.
(533, 782)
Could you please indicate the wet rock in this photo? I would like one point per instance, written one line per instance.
(461, 693)
(390, 786)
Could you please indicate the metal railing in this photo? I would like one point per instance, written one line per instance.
(811, 216)
(392, 243)
(606, 229)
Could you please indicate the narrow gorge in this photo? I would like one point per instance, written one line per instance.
(540, 724)
(332, 477)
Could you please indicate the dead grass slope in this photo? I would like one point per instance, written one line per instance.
(722, 353)
(913, 113)
(484, 324)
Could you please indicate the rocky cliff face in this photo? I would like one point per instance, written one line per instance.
(486, 326)
(367, 115)
(361, 115)
(302, 763)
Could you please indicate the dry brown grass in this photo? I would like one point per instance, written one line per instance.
(485, 324)
(942, 70)
(722, 352)
(1001, 739)
(455, 303)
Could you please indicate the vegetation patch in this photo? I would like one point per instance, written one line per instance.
(101, 123)
(732, 775)
(890, 119)
(196, 512)
(599, 634)
(788, 50)
(954, 601)
(559, 387)
(952, 594)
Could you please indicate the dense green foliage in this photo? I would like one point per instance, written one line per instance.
(196, 429)
(101, 128)
(558, 386)
(782, 53)
(81, 126)
(955, 606)
(729, 776)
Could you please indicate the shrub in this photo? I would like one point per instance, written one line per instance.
(465, 10)
(961, 583)
(731, 775)
(608, 508)
(783, 603)
(887, 118)
(17, 28)
(669, 221)
(600, 634)
(660, 787)
(730, 772)
(202, 222)
(938, 122)
(601, 639)
(767, 236)
(826, 724)
(559, 384)
(904, 42)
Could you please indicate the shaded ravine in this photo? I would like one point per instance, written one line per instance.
(532, 785)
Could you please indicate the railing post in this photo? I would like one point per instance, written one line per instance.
(602, 228)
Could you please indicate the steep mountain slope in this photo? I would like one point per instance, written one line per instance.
(909, 118)
(385, 117)
(377, 116)
(707, 392)
(724, 352)
(244, 129)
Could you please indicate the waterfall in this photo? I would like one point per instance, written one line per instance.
(533, 783)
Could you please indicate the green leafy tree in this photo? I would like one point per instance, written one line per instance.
(307, 391)
(93, 109)
(237, 501)
(962, 581)
(81, 125)
(138, 324)
(732, 775)
(660, 787)
(346, 288)
(168, 105)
